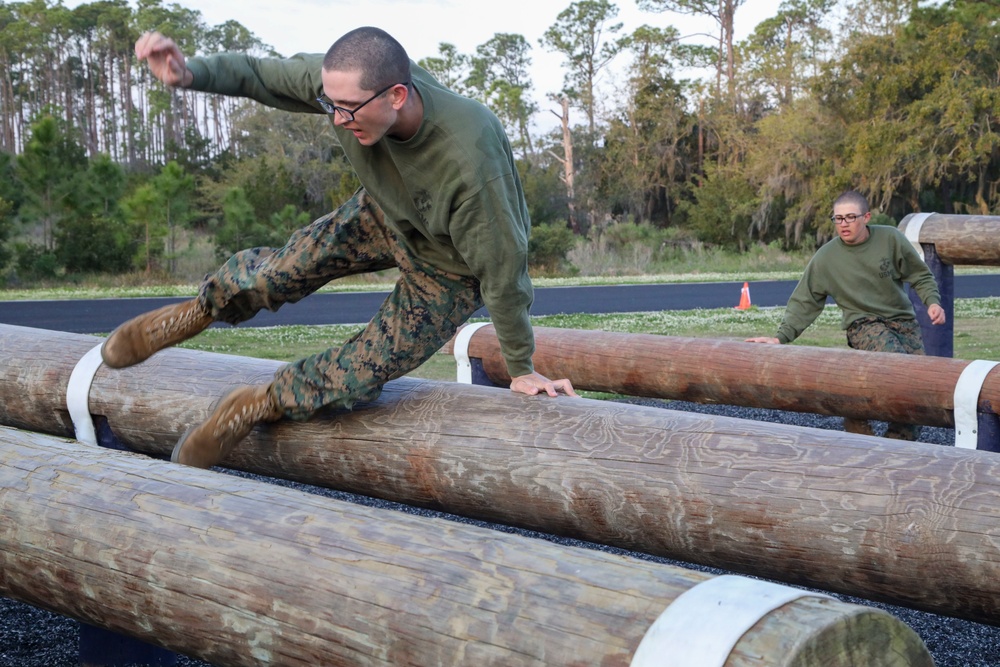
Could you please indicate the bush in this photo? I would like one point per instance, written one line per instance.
(34, 262)
(629, 248)
(599, 258)
(883, 219)
(6, 227)
(94, 245)
(623, 235)
(548, 247)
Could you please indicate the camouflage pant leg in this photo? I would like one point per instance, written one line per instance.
(875, 334)
(353, 239)
(423, 312)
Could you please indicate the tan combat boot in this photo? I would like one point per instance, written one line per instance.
(897, 431)
(859, 426)
(142, 336)
(207, 444)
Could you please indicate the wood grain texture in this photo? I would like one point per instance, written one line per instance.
(840, 382)
(907, 523)
(238, 572)
(961, 239)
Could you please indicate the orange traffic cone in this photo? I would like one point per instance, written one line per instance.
(744, 298)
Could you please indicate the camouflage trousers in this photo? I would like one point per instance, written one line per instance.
(424, 310)
(875, 334)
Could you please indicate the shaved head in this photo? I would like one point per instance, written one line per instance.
(375, 53)
(853, 197)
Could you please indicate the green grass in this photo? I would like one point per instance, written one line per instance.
(976, 333)
(136, 286)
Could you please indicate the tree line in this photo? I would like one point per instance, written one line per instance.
(729, 144)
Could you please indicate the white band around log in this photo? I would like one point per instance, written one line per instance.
(78, 395)
(703, 624)
(461, 350)
(913, 225)
(966, 402)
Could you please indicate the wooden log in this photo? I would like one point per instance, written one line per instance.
(840, 382)
(238, 572)
(906, 523)
(960, 239)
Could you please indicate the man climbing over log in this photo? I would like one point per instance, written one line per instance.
(440, 200)
(864, 270)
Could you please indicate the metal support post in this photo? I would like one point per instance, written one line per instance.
(939, 341)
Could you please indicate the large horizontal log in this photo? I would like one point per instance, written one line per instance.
(238, 572)
(960, 239)
(841, 382)
(907, 523)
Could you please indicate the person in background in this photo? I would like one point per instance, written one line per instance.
(440, 200)
(863, 270)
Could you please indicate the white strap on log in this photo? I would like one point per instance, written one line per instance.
(913, 225)
(78, 396)
(703, 624)
(461, 350)
(966, 402)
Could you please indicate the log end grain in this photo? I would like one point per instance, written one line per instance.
(839, 635)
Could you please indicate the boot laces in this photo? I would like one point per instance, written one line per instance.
(180, 320)
(245, 417)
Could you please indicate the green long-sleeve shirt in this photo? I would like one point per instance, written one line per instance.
(451, 192)
(864, 280)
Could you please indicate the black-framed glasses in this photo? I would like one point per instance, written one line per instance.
(348, 114)
(846, 219)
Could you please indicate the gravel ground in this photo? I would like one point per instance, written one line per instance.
(30, 637)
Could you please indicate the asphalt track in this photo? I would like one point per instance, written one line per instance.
(103, 315)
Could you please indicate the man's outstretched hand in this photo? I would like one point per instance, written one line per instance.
(164, 58)
(533, 384)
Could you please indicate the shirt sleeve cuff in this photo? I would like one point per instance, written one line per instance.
(199, 74)
(519, 368)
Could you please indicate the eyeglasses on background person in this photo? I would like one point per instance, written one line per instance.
(846, 219)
